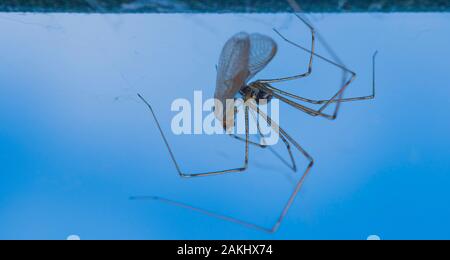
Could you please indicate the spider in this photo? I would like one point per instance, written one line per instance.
(242, 57)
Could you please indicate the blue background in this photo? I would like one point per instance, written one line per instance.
(75, 142)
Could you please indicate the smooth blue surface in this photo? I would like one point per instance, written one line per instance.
(75, 142)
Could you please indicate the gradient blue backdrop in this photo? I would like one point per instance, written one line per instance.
(75, 142)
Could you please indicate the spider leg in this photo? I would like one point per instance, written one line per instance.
(202, 211)
(299, 184)
(332, 100)
(337, 98)
(250, 142)
(265, 83)
(308, 72)
(368, 97)
(312, 112)
(313, 53)
(293, 165)
(188, 175)
(286, 207)
(262, 145)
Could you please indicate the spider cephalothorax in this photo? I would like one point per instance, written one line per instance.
(256, 92)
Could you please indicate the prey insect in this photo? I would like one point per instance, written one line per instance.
(242, 57)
